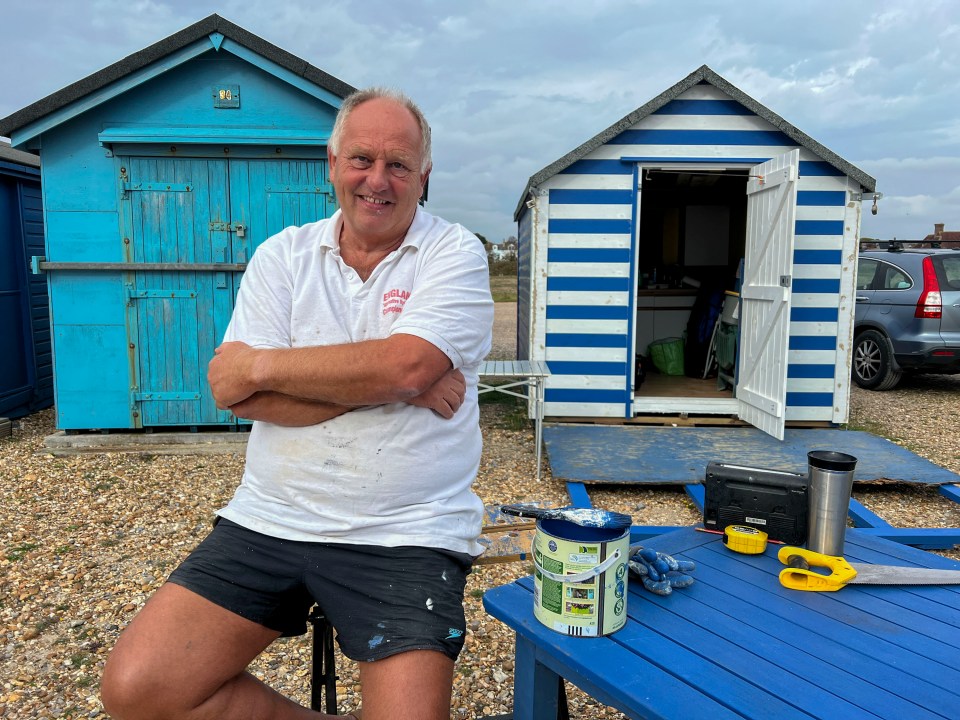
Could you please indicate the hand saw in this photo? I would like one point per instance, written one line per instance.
(799, 576)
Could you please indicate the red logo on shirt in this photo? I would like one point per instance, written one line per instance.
(394, 300)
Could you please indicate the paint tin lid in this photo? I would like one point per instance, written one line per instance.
(566, 530)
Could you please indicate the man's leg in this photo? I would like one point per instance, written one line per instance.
(186, 657)
(413, 685)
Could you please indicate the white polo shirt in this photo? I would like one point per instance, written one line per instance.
(388, 475)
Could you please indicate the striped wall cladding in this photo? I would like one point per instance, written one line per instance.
(590, 270)
(524, 273)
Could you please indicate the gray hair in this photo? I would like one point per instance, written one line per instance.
(352, 101)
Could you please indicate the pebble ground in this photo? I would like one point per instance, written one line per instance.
(86, 539)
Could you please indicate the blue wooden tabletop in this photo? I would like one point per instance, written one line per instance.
(736, 644)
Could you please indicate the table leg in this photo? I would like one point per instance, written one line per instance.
(538, 692)
(538, 422)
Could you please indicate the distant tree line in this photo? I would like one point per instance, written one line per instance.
(504, 267)
(502, 258)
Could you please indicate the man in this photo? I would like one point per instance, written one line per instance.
(353, 344)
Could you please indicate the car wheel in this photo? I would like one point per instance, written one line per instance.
(873, 365)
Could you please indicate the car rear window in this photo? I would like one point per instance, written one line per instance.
(949, 266)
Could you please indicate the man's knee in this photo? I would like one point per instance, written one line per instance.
(133, 688)
(124, 692)
(176, 655)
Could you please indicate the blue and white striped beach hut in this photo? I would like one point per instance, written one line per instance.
(702, 188)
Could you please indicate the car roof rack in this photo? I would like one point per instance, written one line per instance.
(897, 245)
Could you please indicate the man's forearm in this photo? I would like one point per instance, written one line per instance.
(362, 373)
(284, 410)
(370, 372)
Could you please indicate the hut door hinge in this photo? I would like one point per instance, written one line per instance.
(785, 281)
(159, 293)
(169, 396)
(126, 186)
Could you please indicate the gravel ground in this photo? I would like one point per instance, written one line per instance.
(86, 539)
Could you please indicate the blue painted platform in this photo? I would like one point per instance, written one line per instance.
(630, 454)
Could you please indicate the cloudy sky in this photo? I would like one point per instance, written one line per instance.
(509, 86)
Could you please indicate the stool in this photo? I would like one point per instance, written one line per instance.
(323, 676)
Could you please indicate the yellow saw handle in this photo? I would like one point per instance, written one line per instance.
(798, 575)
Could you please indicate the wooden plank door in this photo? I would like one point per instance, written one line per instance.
(765, 293)
(268, 195)
(178, 212)
(200, 211)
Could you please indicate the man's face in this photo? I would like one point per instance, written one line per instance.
(376, 173)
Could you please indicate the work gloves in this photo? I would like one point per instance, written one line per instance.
(660, 573)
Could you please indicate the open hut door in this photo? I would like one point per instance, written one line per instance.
(765, 293)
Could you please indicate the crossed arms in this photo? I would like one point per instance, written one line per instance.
(306, 386)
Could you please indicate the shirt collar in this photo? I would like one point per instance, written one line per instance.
(331, 238)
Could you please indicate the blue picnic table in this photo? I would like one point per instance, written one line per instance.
(737, 644)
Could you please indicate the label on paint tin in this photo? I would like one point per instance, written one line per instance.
(550, 593)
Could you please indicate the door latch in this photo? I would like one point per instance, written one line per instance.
(219, 226)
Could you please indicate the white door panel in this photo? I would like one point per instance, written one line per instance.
(765, 293)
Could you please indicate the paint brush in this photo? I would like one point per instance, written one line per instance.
(587, 517)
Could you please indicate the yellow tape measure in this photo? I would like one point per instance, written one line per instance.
(745, 539)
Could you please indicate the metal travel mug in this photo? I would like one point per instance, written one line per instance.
(829, 482)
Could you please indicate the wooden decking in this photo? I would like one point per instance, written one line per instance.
(657, 385)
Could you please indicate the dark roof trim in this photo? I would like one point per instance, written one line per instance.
(701, 74)
(8, 154)
(159, 50)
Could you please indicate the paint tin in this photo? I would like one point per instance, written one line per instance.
(580, 578)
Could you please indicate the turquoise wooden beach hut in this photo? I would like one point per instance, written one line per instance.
(161, 174)
(26, 374)
(700, 189)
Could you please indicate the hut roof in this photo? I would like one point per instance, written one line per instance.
(8, 154)
(703, 74)
(210, 25)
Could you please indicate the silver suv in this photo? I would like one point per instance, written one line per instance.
(908, 314)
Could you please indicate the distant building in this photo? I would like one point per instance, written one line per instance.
(507, 250)
(943, 238)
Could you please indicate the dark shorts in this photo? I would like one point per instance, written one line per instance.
(380, 600)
